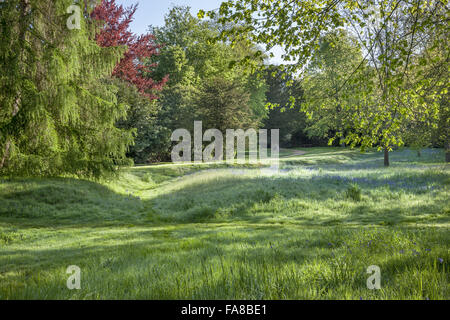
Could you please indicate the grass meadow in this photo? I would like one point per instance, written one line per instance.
(218, 231)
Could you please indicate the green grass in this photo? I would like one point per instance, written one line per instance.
(216, 231)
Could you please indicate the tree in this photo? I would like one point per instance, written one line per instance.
(440, 131)
(135, 79)
(396, 37)
(57, 114)
(223, 104)
(327, 94)
(392, 33)
(194, 64)
(284, 113)
(140, 49)
(142, 116)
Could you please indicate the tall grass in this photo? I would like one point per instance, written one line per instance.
(229, 232)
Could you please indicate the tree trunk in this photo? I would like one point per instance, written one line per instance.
(447, 152)
(6, 154)
(386, 157)
(419, 154)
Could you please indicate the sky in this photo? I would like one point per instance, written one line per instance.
(152, 12)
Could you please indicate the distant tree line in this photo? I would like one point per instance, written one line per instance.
(87, 101)
(374, 71)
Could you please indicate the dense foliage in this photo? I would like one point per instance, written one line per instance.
(57, 113)
(116, 32)
(204, 84)
(401, 43)
(88, 100)
(286, 96)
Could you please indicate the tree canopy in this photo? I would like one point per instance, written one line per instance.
(396, 38)
(57, 114)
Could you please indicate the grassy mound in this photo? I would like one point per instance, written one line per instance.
(216, 231)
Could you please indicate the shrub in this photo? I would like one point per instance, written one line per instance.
(353, 192)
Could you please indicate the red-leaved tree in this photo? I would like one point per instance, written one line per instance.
(115, 32)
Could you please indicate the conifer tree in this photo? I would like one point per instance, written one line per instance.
(57, 113)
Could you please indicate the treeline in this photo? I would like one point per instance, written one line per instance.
(87, 96)
(202, 84)
(375, 72)
(89, 99)
(342, 98)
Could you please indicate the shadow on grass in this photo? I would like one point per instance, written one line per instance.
(255, 199)
(71, 202)
(198, 262)
(302, 199)
(63, 201)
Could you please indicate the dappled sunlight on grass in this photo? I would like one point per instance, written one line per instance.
(233, 232)
(225, 261)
